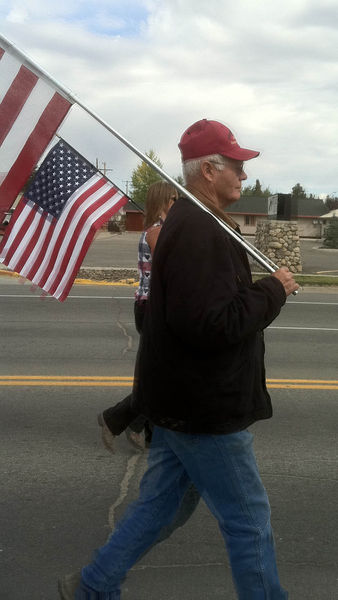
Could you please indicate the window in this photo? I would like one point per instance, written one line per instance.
(249, 220)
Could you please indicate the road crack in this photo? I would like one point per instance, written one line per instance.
(124, 488)
(128, 337)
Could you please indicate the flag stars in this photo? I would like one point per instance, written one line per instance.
(62, 172)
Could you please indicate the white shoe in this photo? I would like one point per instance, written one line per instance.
(108, 438)
(136, 439)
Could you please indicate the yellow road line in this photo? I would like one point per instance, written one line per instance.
(67, 377)
(129, 282)
(122, 384)
(121, 283)
(321, 381)
(127, 381)
(130, 378)
(291, 386)
(65, 380)
(66, 383)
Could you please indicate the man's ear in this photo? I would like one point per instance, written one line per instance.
(207, 170)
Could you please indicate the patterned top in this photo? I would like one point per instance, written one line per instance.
(144, 265)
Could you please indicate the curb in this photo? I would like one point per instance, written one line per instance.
(95, 275)
(110, 274)
(129, 277)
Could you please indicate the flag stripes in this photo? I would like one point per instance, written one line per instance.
(15, 99)
(28, 223)
(86, 214)
(31, 111)
(101, 215)
(17, 223)
(64, 227)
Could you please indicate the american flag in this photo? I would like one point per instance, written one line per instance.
(31, 111)
(56, 219)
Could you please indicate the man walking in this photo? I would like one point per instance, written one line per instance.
(200, 379)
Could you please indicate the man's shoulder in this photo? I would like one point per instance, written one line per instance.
(189, 226)
(187, 213)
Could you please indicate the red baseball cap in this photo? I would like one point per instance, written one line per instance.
(211, 137)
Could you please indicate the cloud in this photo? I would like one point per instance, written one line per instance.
(103, 16)
(18, 15)
(152, 68)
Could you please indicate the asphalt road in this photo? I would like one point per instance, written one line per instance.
(61, 490)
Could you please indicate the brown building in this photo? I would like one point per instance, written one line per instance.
(134, 217)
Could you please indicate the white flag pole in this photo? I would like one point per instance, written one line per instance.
(263, 260)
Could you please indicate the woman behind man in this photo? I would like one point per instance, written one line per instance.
(160, 197)
(119, 418)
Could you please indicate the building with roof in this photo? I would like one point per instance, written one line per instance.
(134, 217)
(248, 210)
(332, 214)
(326, 218)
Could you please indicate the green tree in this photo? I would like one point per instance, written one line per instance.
(331, 203)
(267, 192)
(179, 179)
(298, 191)
(247, 190)
(331, 233)
(143, 176)
(256, 190)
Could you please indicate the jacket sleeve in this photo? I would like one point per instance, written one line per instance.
(210, 300)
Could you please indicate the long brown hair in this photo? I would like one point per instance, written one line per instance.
(158, 197)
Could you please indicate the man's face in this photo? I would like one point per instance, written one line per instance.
(228, 182)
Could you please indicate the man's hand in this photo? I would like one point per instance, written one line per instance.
(286, 278)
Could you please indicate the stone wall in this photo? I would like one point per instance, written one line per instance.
(279, 241)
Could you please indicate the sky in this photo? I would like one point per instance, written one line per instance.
(151, 68)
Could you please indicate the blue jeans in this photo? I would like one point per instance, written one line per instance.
(223, 469)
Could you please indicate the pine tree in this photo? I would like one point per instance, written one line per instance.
(257, 191)
(331, 203)
(298, 191)
(179, 179)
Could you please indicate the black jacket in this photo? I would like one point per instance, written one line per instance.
(200, 366)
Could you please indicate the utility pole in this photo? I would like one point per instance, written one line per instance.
(104, 169)
(127, 182)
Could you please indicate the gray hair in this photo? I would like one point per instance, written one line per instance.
(191, 167)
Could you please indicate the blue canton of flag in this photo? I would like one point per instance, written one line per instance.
(59, 176)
